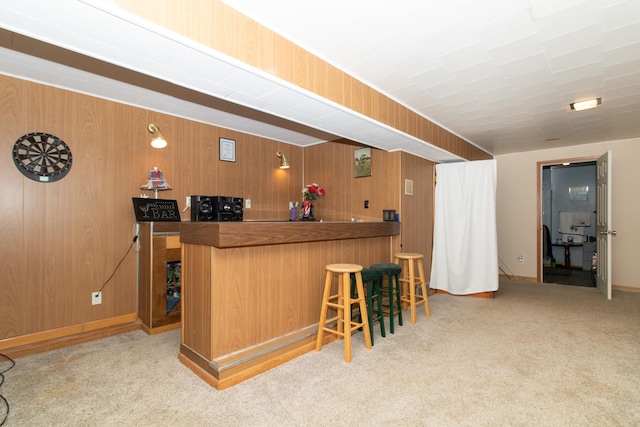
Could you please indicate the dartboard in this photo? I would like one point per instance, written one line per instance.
(42, 157)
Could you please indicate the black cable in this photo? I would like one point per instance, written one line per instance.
(2, 399)
(135, 238)
(12, 363)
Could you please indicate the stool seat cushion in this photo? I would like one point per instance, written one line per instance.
(387, 268)
(369, 274)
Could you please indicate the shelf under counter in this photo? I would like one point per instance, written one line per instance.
(259, 233)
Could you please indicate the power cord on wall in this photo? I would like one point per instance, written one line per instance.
(4, 410)
(135, 239)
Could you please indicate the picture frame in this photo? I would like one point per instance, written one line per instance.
(362, 162)
(227, 150)
(408, 187)
(578, 193)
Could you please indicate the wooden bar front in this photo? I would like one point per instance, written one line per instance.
(251, 291)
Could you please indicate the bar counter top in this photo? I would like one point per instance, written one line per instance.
(259, 233)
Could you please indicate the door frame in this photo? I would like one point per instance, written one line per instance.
(539, 166)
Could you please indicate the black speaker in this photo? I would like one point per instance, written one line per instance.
(202, 208)
(227, 208)
(216, 208)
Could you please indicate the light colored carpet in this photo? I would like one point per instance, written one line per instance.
(536, 355)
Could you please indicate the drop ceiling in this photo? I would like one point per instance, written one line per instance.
(500, 74)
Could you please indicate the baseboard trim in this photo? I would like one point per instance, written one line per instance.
(624, 288)
(519, 278)
(39, 342)
(233, 369)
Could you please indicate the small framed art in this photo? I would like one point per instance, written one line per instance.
(362, 162)
(227, 150)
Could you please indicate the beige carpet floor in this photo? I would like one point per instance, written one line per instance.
(538, 354)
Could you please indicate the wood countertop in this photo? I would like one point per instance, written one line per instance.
(259, 233)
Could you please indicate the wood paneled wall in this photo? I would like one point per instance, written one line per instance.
(331, 166)
(417, 213)
(216, 25)
(62, 240)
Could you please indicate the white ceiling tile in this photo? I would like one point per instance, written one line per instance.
(620, 14)
(621, 36)
(516, 49)
(554, 23)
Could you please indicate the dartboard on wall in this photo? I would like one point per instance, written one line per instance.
(42, 157)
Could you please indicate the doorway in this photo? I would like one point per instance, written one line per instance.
(567, 216)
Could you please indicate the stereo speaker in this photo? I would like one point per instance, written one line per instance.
(216, 208)
(201, 208)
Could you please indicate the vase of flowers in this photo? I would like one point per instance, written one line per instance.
(310, 193)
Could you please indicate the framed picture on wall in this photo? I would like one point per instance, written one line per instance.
(578, 193)
(362, 162)
(227, 150)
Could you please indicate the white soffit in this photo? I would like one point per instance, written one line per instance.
(100, 30)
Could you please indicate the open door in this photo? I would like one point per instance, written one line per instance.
(603, 219)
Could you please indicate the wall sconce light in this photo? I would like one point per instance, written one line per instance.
(585, 105)
(158, 140)
(283, 160)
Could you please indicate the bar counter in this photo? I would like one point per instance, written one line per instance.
(251, 291)
(257, 233)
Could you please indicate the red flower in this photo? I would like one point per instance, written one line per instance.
(312, 191)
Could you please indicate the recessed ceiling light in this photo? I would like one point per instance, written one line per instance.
(586, 105)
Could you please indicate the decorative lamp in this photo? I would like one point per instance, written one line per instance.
(283, 160)
(158, 140)
(156, 182)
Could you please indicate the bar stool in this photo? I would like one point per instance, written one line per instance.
(372, 281)
(407, 262)
(392, 272)
(341, 303)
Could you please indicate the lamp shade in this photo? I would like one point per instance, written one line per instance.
(283, 160)
(158, 140)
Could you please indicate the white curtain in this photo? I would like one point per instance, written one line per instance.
(465, 247)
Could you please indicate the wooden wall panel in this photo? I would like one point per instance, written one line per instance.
(257, 296)
(196, 323)
(417, 212)
(331, 166)
(62, 240)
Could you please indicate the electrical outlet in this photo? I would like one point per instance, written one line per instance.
(521, 259)
(247, 204)
(188, 202)
(96, 298)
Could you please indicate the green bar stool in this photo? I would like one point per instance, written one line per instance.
(372, 281)
(341, 303)
(392, 289)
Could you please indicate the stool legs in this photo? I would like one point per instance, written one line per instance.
(394, 306)
(410, 281)
(392, 272)
(341, 303)
(373, 291)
